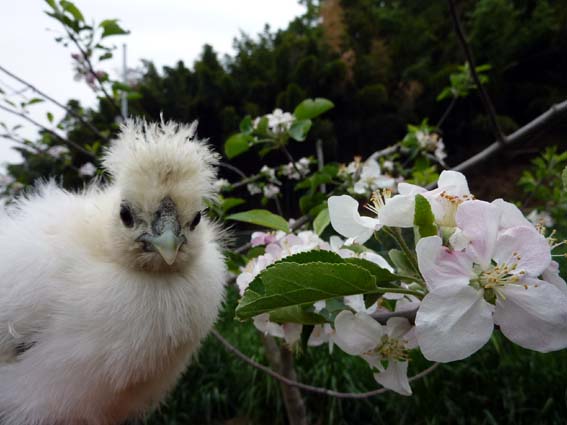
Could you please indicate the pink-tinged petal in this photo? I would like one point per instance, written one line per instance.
(441, 266)
(534, 318)
(395, 377)
(526, 248)
(397, 327)
(398, 211)
(357, 334)
(347, 221)
(292, 333)
(458, 241)
(551, 275)
(320, 335)
(453, 323)
(510, 215)
(454, 183)
(479, 222)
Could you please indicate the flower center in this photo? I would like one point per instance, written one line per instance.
(392, 348)
(499, 275)
(378, 200)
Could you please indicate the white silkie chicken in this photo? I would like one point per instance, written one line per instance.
(106, 294)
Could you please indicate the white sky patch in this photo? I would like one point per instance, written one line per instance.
(163, 32)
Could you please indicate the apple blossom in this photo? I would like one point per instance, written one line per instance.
(347, 221)
(371, 178)
(494, 280)
(360, 335)
(452, 190)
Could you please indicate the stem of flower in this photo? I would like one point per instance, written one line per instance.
(397, 236)
(397, 291)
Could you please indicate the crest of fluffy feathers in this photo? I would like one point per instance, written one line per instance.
(95, 325)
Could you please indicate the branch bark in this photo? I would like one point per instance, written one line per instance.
(318, 390)
(89, 125)
(64, 140)
(281, 359)
(523, 133)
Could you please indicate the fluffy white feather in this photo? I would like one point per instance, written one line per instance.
(95, 327)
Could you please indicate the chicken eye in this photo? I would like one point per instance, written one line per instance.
(126, 215)
(195, 221)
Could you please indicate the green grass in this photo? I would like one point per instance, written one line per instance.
(501, 384)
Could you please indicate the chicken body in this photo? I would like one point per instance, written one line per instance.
(93, 329)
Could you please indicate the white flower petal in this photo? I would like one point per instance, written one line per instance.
(398, 211)
(479, 222)
(357, 334)
(346, 220)
(377, 259)
(454, 182)
(453, 323)
(398, 327)
(395, 377)
(440, 266)
(531, 247)
(534, 318)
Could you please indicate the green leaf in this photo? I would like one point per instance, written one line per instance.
(263, 218)
(237, 144)
(106, 56)
(230, 203)
(321, 222)
(51, 4)
(110, 27)
(400, 261)
(296, 314)
(118, 86)
(312, 256)
(564, 178)
(299, 129)
(73, 10)
(246, 125)
(34, 101)
(50, 117)
(380, 274)
(311, 108)
(135, 95)
(424, 219)
(287, 284)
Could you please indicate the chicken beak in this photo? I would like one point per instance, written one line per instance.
(167, 244)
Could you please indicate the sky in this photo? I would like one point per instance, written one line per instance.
(163, 31)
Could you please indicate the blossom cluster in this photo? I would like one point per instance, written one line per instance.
(484, 266)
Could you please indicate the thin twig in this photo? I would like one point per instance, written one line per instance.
(52, 100)
(446, 113)
(319, 390)
(232, 168)
(94, 74)
(488, 105)
(64, 140)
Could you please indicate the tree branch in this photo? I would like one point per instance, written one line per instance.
(46, 96)
(66, 141)
(488, 105)
(523, 133)
(92, 71)
(319, 390)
